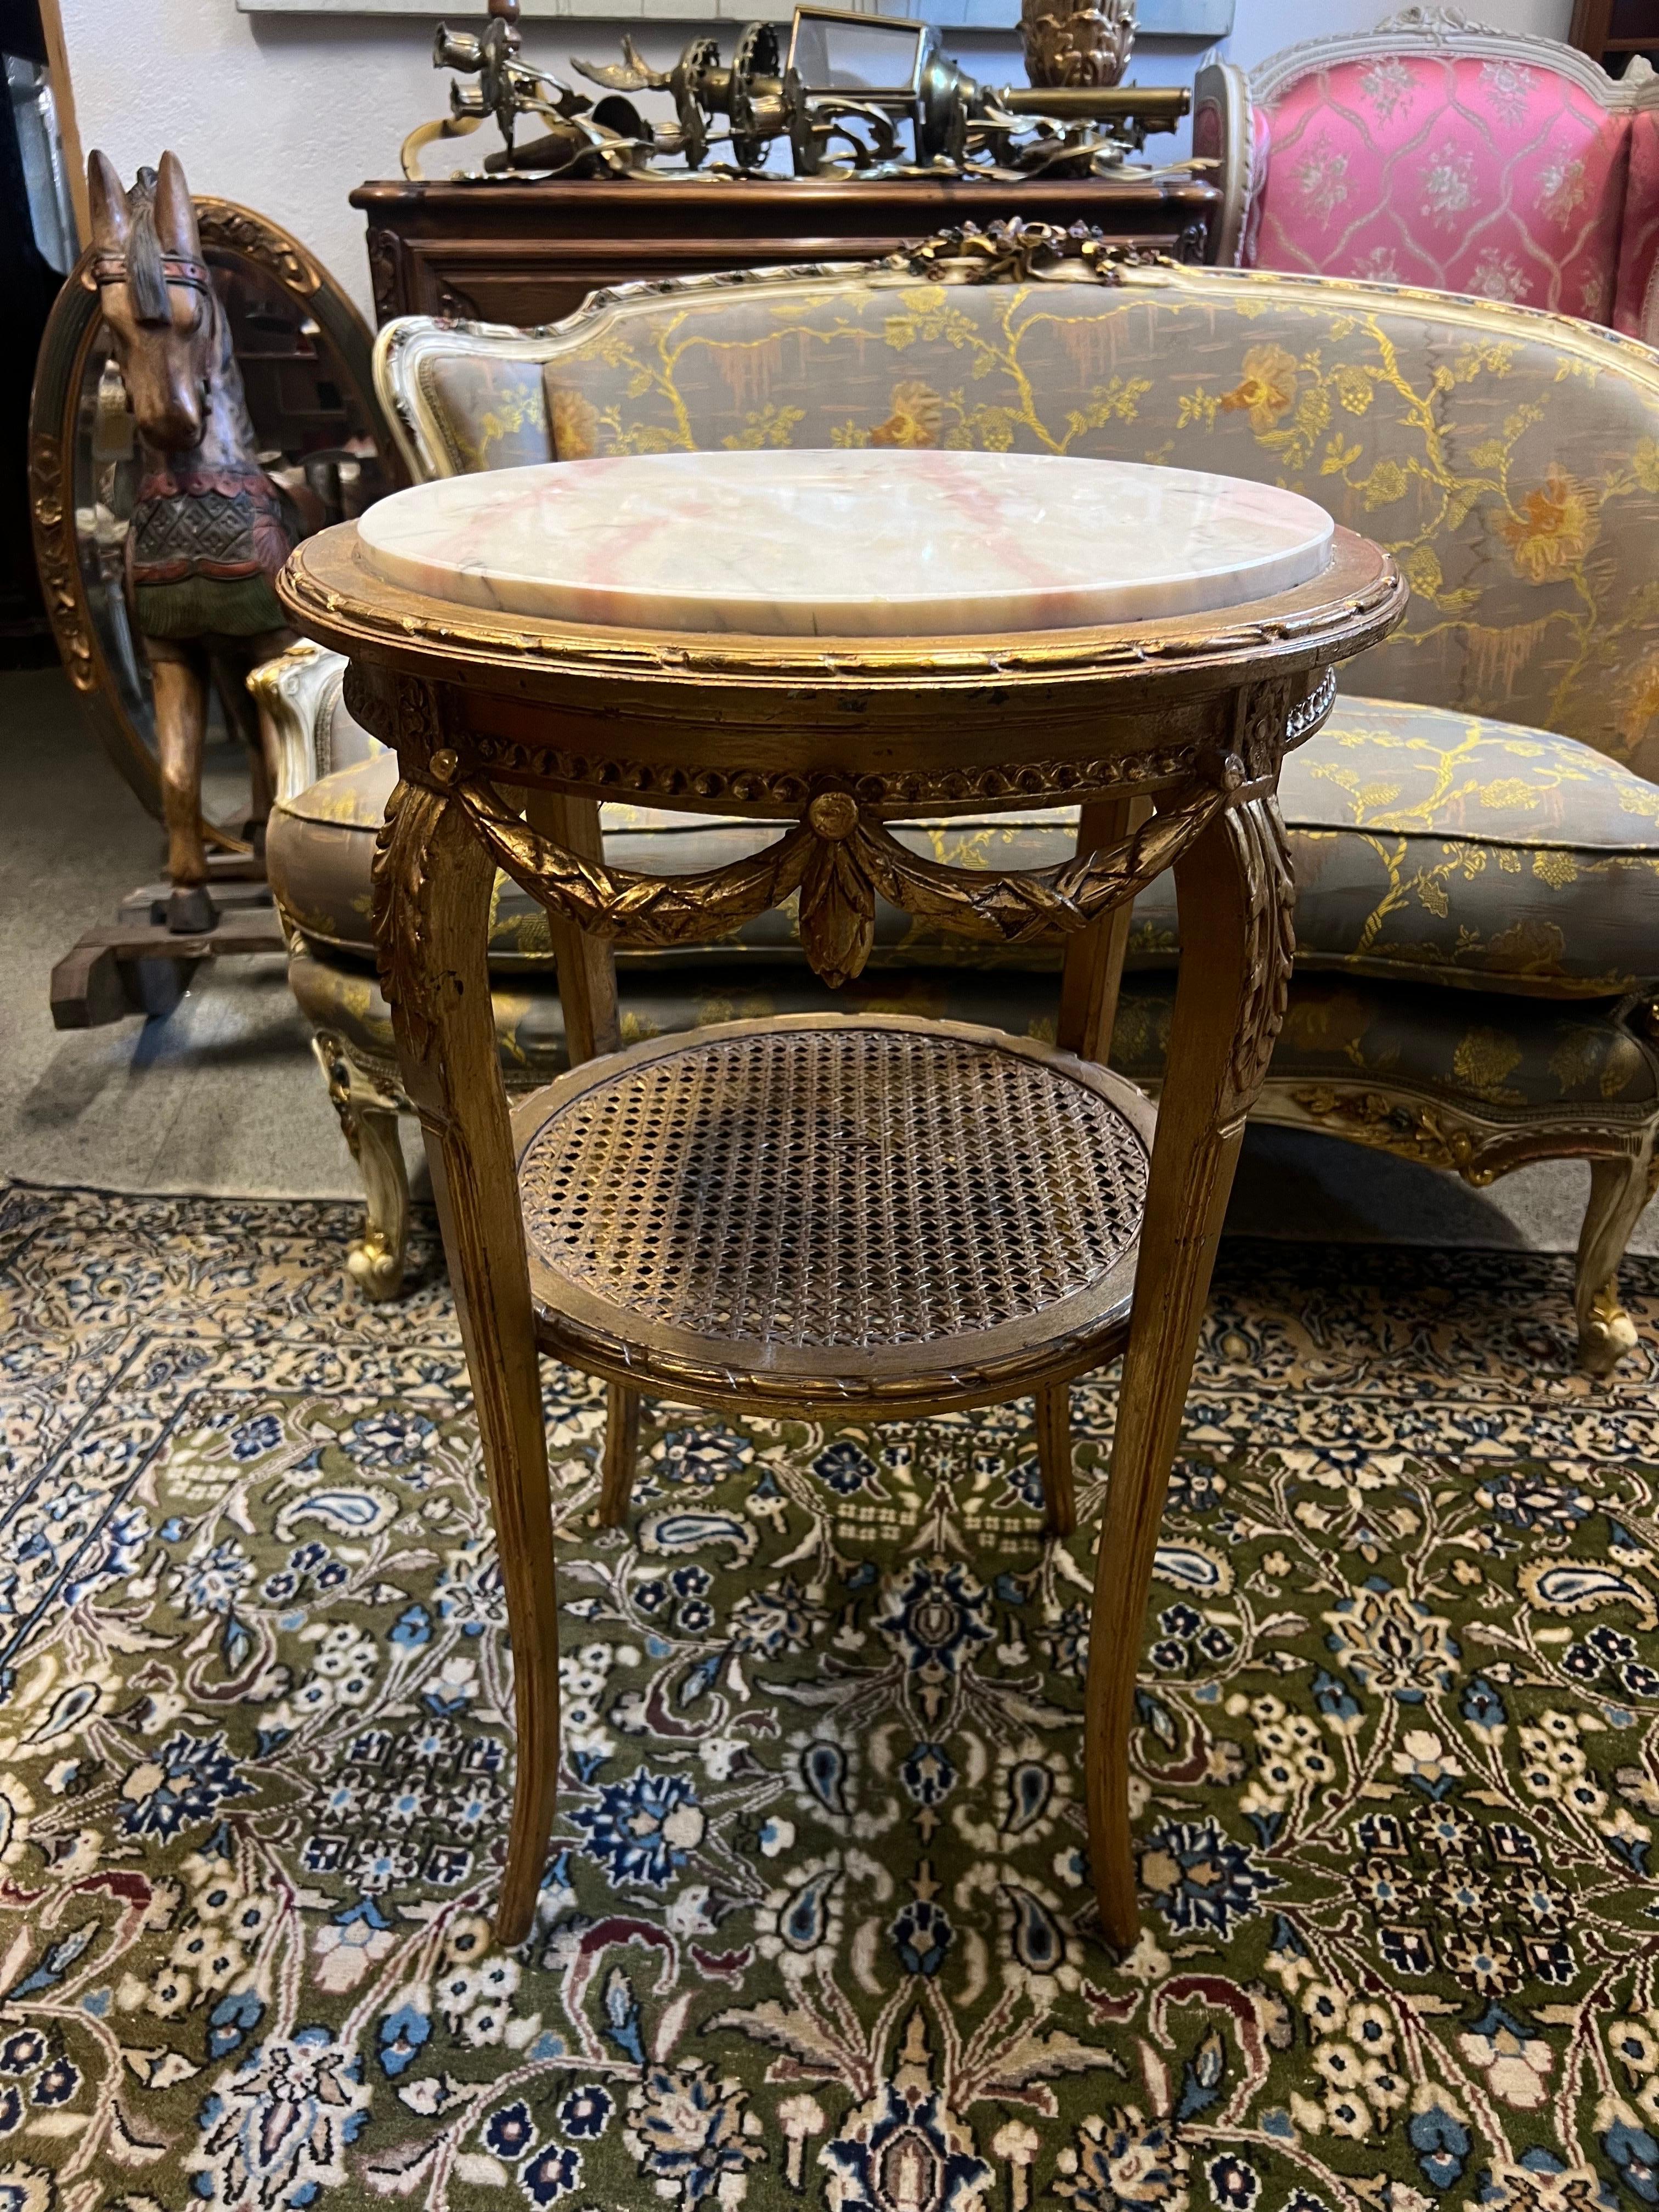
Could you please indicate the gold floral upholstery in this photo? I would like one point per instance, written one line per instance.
(1448, 848)
(1457, 432)
(491, 408)
(1504, 1058)
(1427, 844)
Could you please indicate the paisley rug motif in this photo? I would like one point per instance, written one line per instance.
(816, 1930)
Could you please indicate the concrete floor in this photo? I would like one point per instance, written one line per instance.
(224, 1096)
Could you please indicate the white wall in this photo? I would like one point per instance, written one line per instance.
(287, 113)
(1262, 27)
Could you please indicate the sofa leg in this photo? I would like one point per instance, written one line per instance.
(1620, 1190)
(370, 1122)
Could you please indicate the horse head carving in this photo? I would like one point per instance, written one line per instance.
(158, 299)
(209, 529)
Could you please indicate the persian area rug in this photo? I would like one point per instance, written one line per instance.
(816, 1931)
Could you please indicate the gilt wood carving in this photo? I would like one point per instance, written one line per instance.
(838, 861)
(1171, 734)
(60, 578)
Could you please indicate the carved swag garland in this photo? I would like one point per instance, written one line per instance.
(839, 856)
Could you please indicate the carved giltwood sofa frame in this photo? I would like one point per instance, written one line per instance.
(1418, 1024)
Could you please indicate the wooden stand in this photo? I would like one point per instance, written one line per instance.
(136, 965)
(772, 1237)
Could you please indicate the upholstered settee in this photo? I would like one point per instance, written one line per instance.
(1475, 836)
(1433, 150)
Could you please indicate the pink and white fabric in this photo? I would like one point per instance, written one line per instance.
(1636, 298)
(1465, 171)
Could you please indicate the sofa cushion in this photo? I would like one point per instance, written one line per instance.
(1462, 850)
(1426, 845)
(1504, 1058)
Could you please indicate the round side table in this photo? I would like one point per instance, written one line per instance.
(828, 1212)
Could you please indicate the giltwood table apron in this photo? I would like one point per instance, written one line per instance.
(888, 1216)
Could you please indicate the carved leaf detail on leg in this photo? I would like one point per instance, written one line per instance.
(1620, 1190)
(1257, 831)
(400, 710)
(369, 1122)
(401, 890)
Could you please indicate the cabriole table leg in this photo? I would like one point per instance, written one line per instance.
(1093, 971)
(1234, 892)
(432, 880)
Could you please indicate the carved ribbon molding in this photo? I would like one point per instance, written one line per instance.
(839, 860)
(1021, 252)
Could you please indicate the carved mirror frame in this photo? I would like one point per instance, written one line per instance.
(78, 540)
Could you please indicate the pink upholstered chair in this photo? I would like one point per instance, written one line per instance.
(1434, 151)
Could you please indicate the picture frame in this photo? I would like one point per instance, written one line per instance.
(1204, 21)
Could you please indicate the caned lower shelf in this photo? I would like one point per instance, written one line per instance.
(824, 1210)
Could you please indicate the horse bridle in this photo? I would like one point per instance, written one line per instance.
(176, 269)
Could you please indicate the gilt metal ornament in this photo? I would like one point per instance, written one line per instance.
(1076, 42)
(853, 95)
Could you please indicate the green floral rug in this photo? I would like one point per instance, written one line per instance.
(816, 1931)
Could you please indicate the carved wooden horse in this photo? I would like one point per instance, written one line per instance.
(209, 529)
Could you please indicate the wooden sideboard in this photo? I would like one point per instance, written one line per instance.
(509, 252)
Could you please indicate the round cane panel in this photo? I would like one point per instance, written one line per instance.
(824, 1208)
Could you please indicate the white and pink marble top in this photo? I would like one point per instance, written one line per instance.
(847, 544)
